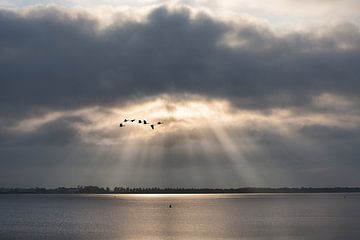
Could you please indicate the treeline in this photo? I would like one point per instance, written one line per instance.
(122, 190)
(237, 190)
(59, 190)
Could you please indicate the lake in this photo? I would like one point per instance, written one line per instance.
(200, 216)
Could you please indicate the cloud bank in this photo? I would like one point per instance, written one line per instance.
(290, 99)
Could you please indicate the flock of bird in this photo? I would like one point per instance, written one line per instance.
(152, 125)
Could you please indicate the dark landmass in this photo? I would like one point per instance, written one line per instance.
(122, 190)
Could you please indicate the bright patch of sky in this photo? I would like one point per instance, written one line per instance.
(285, 13)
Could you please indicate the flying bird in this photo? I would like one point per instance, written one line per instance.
(152, 125)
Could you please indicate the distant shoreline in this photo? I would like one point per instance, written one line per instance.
(121, 190)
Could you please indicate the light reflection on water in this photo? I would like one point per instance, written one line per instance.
(192, 216)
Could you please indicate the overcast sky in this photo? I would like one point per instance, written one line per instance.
(251, 93)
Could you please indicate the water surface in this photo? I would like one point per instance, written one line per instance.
(200, 216)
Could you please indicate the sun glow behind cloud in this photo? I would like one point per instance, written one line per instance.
(186, 114)
(195, 127)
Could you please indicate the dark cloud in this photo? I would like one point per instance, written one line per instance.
(58, 132)
(331, 133)
(50, 59)
(309, 147)
(337, 144)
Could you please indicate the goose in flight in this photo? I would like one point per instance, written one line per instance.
(152, 125)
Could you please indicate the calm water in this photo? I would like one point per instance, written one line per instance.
(253, 216)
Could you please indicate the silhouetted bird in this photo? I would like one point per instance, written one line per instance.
(152, 126)
(145, 122)
(126, 120)
(132, 120)
(170, 206)
(159, 123)
(139, 121)
(121, 125)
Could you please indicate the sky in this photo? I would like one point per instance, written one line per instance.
(251, 93)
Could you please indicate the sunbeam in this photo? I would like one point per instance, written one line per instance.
(199, 140)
